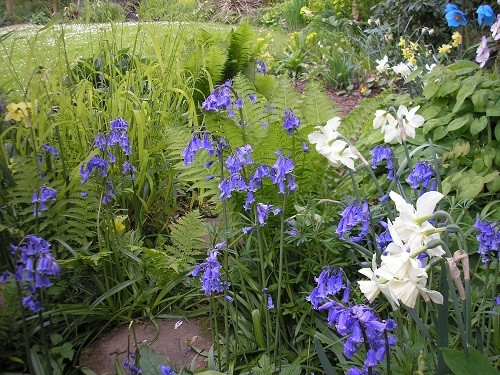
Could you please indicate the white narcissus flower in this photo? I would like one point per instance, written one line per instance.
(382, 65)
(372, 288)
(412, 225)
(410, 120)
(402, 69)
(382, 118)
(330, 146)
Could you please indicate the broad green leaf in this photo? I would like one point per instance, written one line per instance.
(497, 131)
(464, 66)
(430, 112)
(494, 185)
(493, 110)
(459, 122)
(430, 89)
(478, 165)
(440, 132)
(479, 100)
(465, 91)
(469, 188)
(448, 87)
(471, 364)
(478, 124)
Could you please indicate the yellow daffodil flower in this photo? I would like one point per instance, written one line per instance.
(18, 111)
(118, 222)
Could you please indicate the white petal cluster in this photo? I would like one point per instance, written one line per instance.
(330, 144)
(401, 276)
(400, 127)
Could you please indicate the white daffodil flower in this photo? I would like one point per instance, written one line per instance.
(409, 120)
(383, 119)
(402, 69)
(382, 65)
(330, 146)
(412, 225)
(372, 288)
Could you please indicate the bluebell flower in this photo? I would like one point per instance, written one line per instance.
(263, 212)
(35, 264)
(95, 164)
(239, 158)
(196, 144)
(250, 199)
(354, 371)
(384, 238)
(247, 230)
(489, 239)
(118, 124)
(101, 142)
(305, 147)
(252, 98)
(292, 229)
(356, 216)
(166, 370)
(128, 168)
(41, 198)
(219, 99)
(132, 368)
(454, 16)
(270, 303)
(261, 66)
(381, 153)
(211, 281)
(291, 121)
(281, 173)
(485, 15)
(422, 177)
(239, 103)
(51, 150)
(329, 283)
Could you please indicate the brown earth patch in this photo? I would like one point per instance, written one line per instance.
(183, 343)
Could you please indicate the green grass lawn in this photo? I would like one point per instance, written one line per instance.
(25, 50)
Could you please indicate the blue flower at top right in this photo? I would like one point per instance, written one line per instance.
(485, 15)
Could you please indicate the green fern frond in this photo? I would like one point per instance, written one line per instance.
(240, 51)
(316, 108)
(188, 233)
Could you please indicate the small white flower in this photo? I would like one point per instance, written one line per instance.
(382, 119)
(431, 31)
(409, 120)
(430, 67)
(382, 65)
(329, 145)
(388, 37)
(402, 69)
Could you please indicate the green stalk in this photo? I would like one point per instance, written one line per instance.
(442, 327)
(388, 208)
(354, 184)
(26, 336)
(277, 337)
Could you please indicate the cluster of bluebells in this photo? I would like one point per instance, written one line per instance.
(220, 100)
(51, 150)
(489, 239)
(356, 216)
(384, 238)
(291, 121)
(381, 153)
(280, 173)
(359, 323)
(41, 197)
(260, 66)
(210, 270)
(131, 367)
(34, 267)
(101, 164)
(422, 177)
(166, 370)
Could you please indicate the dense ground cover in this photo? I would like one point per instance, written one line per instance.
(360, 245)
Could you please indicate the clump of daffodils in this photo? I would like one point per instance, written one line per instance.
(402, 274)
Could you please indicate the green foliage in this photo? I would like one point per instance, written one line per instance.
(461, 113)
(106, 11)
(468, 363)
(160, 10)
